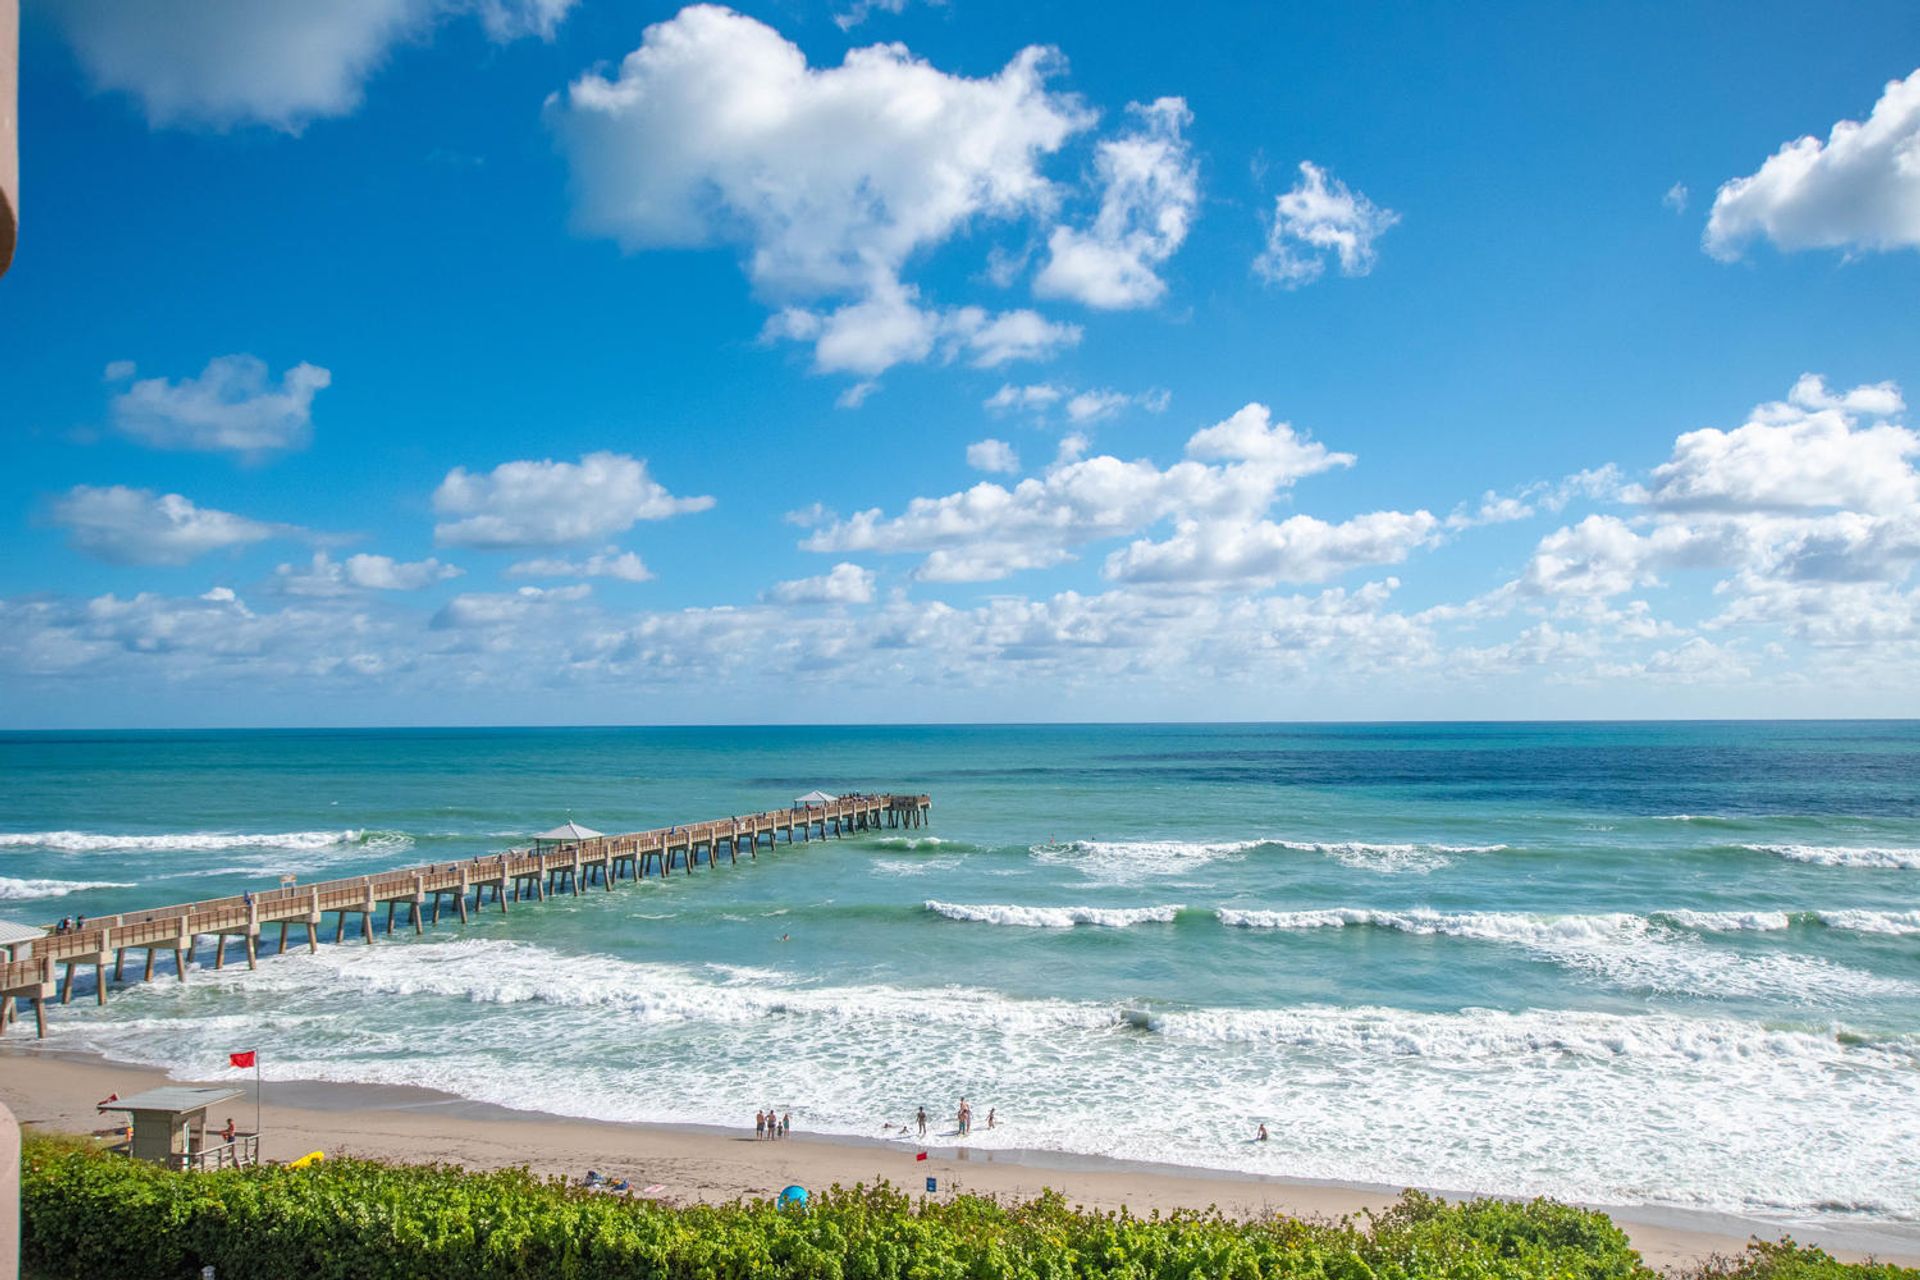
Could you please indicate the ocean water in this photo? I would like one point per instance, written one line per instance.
(1625, 964)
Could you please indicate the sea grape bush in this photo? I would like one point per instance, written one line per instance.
(88, 1214)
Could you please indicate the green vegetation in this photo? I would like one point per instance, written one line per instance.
(87, 1214)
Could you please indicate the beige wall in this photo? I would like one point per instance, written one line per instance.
(9, 134)
(9, 1179)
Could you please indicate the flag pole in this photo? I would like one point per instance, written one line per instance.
(256, 1106)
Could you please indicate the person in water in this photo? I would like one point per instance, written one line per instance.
(990, 1115)
(921, 1120)
(1263, 1134)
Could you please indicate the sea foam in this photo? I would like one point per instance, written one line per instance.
(1374, 1094)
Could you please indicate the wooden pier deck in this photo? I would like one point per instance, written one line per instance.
(490, 880)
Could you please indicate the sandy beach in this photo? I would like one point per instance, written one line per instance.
(59, 1092)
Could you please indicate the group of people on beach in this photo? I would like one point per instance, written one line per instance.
(962, 1122)
(767, 1124)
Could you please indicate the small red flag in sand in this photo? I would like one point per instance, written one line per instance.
(921, 1156)
(240, 1059)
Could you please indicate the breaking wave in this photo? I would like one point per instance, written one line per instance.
(1130, 861)
(12, 890)
(1055, 917)
(203, 841)
(1389, 858)
(1448, 1097)
(1885, 922)
(1657, 953)
(1827, 855)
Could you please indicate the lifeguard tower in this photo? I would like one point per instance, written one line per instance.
(170, 1128)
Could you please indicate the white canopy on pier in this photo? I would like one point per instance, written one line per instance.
(569, 830)
(814, 797)
(13, 933)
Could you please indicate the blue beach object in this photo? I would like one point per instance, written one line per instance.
(794, 1197)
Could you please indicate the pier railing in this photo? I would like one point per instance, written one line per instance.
(571, 864)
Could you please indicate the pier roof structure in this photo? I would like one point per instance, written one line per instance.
(13, 933)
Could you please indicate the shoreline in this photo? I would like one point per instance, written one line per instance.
(56, 1090)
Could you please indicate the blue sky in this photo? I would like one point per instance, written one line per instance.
(454, 361)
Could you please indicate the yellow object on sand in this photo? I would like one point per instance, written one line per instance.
(312, 1157)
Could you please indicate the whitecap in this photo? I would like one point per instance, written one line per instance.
(1634, 952)
(1129, 861)
(1824, 855)
(1054, 917)
(200, 841)
(1861, 921)
(1727, 921)
(12, 890)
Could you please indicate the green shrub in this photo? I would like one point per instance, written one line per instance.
(86, 1214)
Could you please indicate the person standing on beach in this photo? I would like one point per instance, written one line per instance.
(759, 1124)
(922, 1119)
(786, 1123)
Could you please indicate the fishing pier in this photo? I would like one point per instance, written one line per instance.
(489, 881)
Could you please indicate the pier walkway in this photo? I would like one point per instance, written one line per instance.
(490, 880)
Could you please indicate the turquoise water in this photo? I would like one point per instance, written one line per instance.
(1673, 964)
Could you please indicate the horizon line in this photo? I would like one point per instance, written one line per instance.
(951, 724)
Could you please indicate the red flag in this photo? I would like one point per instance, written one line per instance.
(921, 1156)
(240, 1059)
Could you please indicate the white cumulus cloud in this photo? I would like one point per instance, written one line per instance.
(1811, 451)
(622, 566)
(138, 526)
(843, 584)
(1250, 554)
(324, 576)
(1810, 511)
(993, 456)
(1149, 189)
(233, 405)
(989, 531)
(1858, 190)
(717, 131)
(552, 504)
(280, 63)
(1319, 217)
